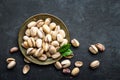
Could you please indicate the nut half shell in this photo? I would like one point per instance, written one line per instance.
(26, 69)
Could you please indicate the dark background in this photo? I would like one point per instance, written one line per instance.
(89, 21)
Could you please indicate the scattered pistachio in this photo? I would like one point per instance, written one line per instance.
(13, 49)
(75, 71)
(93, 49)
(94, 64)
(100, 47)
(26, 69)
(78, 63)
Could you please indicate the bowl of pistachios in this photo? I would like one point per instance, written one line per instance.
(41, 36)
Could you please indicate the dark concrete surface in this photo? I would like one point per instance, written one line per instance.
(89, 21)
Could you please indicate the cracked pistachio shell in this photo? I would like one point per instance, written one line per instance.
(54, 35)
(56, 55)
(40, 33)
(48, 38)
(93, 49)
(29, 51)
(95, 64)
(65, 41)
(52, 50)
(55, 43)
(43, 57)
(40, 23)
(11, 64)
(8, 60)
(58, 65)
(66, 63)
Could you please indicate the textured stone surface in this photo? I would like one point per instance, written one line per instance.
(89, 21)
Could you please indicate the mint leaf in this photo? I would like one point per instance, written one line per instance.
(64, 48)
(67, 52)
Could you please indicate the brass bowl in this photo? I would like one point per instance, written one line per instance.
(22, 33)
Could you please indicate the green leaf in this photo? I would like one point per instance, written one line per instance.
(67, 53)
(64, 48)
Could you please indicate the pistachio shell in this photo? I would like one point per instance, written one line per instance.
(29, 51)
(29, 42)
(93, 49)
(45, 47)
(43, 57)
(31, 24)
(65, 41)
(25, 44)
(46, 29)
(33, 42)
(27, 32)
(52, 49)
(58, 65)
(94, 64)
(39, 43)
(26, 69)
(11, 64)
(47, 21)
(25, 38)
(59, 38)
(52, 25)
(56, 55)
(8, 60)
(66, 63)
(41, 34)
(54, 35)
(55, 43)
(57, 28)
(38, 53)
(78, 63)
(48, 54)
(75, 71)
(48, 38)
(33, 31)
(13, 49)
(40, 23)
(62, 32)
(75, 42)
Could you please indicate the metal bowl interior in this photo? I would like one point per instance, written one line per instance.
(22, 33)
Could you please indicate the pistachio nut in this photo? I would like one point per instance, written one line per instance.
(54, 35)
(100, 47)
(40, 23)
(62, 32)
(94, 64)
(48, 38)
(46, 29)
(66, 71)
(78, 63)
(75, 42)
(25, 44)
(52, 25)
(29, 51)
(25, 38)
(31, 24)
(75, 71)
(93, 49)
(13, 49)
(58, 65)
(39, 43)
(52, 49)
(66, 63)
(45, 46)
(11, 64)
(33, 42)
(48, 54)
(57, 28)
(47, 21)
(26, 69)
(33, 31)
(40, 33)
(59, 38)
(27, 32)
(55, 43)
(65, 41)
(43, 57)
(37, 53)
(8, 60)
(29, 42)
(56, 55)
